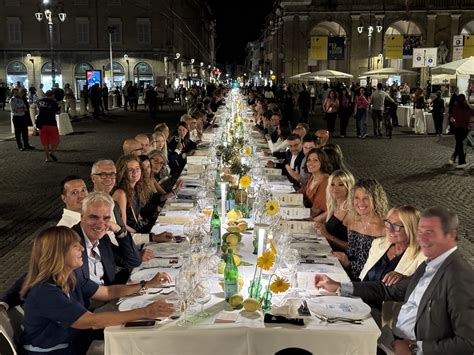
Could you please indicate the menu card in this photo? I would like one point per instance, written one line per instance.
(295, 212)
(271, 171)
(289, 199)
(304, 227)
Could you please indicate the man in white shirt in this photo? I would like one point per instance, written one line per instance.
(378, 100)
(437, 312)
(73, 191)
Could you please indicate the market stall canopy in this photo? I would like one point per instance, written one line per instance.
(386, 72)
(458, 67)
(308, 77)
(297, 76)
(442, 78)
(328, 74)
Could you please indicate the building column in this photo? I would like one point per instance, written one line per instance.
(455, 30)
(301, 40)
(289, 54)
(430, 30)
(352, 44)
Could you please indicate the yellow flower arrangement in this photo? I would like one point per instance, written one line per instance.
(248, 151)
(279, 285)
(272, 207)
(272, 247)
(266, 260)
(245, 181)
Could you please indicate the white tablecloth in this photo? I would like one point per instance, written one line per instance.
(404, 113)
(249, 335)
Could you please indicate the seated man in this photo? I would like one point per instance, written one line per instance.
(132, 146)
(309, 142)
(73, 191)
(437, 311)
(293, 158)
(323, 137)
(144, 141)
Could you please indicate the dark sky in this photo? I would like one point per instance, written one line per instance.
(238, 22)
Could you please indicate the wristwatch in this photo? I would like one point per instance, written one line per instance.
(413, 346)
(143, 287)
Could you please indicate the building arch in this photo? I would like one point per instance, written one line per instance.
(119, 74)
(80, 79)
(46, 75)
(17, 72)
(405, 28)
(468, 28)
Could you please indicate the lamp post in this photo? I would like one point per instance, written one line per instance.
(49, 14)
(125, 56)
(30, 58)
(370, 30)
(111, 30)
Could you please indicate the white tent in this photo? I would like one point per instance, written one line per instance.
(458, 67)
(328, 74)
(298, 76)
(386, 72)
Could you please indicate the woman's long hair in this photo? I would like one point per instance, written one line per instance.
(410, 216)
(348, 181)
(141, 190)
(377, 195)
(325, 165)
(164, 150)
(47, 259)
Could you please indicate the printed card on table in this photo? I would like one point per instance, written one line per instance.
(194, 169)
(271, 171)
(289, 199)
(295, 212)
(304, 227)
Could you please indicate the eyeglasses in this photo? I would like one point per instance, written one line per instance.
(104, 176)
(392, 226)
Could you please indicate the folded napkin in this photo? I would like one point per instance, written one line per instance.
(176, 229)
(286, 305)
(179, 206)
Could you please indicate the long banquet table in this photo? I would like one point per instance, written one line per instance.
(249, 334)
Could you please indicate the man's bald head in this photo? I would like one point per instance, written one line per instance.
(132, 146)
(144, 141)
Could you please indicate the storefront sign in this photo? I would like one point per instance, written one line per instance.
(394, 47)
(319, 48)
(425, 57)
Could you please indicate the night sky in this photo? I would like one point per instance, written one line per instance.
(238, 22)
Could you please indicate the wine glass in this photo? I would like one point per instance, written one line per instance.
(202, 295)
(184, 289)
(291, 259)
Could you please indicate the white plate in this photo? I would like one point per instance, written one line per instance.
(168, 249)
(137, 302)
(336, 306)
(148, 274)
(312, 248)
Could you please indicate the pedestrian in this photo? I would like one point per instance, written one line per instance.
(47, 125)
(84, 95)
(125, 95)
(312, 95)
(378, 99)
(438, 113)
(133, 96)
(419, 106)
(69, 97)
(20, 122)
(151, 98)
(3, 95)
(105, 97)
(331, 107)
(362, 104)
(304, 102)
(345, 111)
(461, 117)
(96, 100)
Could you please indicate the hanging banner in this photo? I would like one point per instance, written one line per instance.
(410, 42)
(458, 40)
(336, 48)
(394, 47)
(468, 46)
(319, 48)
(458, 53)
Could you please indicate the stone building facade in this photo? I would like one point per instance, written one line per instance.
(152, 41)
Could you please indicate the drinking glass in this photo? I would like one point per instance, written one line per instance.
(202, 295)
(291, 259)
(184, 289)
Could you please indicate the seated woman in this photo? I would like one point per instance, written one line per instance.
(398, 253)
(281, 144)
(132, 193)
(163, 129)
(336, 218)
(369, 206)
(314, 189)
(56, 319)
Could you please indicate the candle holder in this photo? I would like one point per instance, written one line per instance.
(260, 230)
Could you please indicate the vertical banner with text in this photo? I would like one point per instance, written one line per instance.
(336, 48)
(319, 48)
(468, 46)
(394, 47)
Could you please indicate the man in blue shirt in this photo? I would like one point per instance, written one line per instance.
(437, 311)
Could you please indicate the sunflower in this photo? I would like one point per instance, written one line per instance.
(245, 181)
(272, 207)
(279, 285)
(248, 151)
(266, 260)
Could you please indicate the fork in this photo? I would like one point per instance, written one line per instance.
(338, 319)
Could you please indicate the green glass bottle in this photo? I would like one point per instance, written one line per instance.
(231, 276)
(215, 227)
(217, 184)
(230, 199)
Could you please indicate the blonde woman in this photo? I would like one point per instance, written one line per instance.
(398, 253)
(159, 143)
(369, 206)
(337, 217)
(419, 105)
(56, 318)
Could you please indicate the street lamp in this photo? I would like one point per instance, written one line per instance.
(111, 30)
(370, 29)
(125, 56)
(48, 14)
(30, 58)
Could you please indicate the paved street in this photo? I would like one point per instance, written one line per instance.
(411, 168)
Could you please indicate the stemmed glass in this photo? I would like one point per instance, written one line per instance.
(184, 289)
(202, 295)
(291, 259)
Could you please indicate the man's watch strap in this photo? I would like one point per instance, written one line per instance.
(143, 287)
(413, 346)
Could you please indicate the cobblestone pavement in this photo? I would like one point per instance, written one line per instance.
(411, 168)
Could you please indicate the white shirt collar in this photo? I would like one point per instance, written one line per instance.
(436, 262)
(89, 244)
